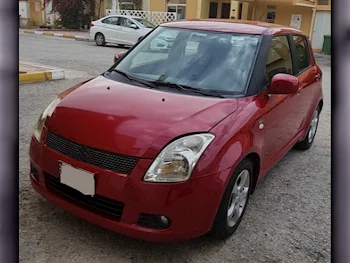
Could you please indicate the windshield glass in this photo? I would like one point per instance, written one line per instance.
(145, 22)
(204, 60)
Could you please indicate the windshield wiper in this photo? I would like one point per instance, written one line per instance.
(131, 78)
(186, 88)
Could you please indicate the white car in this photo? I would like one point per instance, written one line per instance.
(119, 29)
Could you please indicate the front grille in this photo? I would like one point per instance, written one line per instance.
(106, 160)
(97, 204)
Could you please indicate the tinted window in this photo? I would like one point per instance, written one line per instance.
(111, 20)
(125, 22)
(301, 54)
(279, 58)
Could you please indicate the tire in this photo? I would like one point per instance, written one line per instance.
(311, 132)
(224, 226)
(100, 39)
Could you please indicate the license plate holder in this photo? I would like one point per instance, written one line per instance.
(78, 179)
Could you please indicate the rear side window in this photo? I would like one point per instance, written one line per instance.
(279, 58)
(302, 55)
(110, 20)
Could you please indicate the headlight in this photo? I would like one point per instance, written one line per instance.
(39, 125)
(176, 161)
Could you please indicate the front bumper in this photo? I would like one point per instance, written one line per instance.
(191, 206)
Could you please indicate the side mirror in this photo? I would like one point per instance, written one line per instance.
(118, 55)
(284, 84)
(134, 26)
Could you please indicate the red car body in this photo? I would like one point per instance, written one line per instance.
(127, 120)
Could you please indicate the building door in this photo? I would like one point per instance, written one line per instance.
(322, 27)
(213, 9)
(225, 10)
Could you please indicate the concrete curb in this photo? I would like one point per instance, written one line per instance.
(40, 76)
(76, 37)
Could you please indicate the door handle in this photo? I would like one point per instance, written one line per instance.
(317, 76)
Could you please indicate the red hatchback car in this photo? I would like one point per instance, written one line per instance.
(170, 142)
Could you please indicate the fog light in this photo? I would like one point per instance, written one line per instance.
(154, 221)
(164, 220)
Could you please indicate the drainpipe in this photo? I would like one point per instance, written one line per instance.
(312, 23)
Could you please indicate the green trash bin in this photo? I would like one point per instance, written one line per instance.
(326, 48)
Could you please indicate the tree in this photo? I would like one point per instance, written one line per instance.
(72, 11)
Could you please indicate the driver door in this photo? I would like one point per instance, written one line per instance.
(127, 35)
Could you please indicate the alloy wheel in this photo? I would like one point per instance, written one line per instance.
(238, 198)
(313, 126)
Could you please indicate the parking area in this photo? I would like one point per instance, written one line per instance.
(288, 218)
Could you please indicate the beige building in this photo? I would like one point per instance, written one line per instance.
(310, 16)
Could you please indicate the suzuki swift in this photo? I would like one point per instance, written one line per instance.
(170, 142)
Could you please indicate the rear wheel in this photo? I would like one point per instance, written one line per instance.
(310, 136)
(100, 39)
(234, 201)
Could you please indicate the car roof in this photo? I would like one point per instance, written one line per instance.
(233, 26)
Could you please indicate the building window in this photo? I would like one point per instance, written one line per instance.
(127, 5)
(178, 7)
(323, 2)
(270, 13)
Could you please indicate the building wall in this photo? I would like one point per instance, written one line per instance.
(191, 9)
(36, 13)
(284, 13)
(158, 5)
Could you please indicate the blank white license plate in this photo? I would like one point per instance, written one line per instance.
(78, 179)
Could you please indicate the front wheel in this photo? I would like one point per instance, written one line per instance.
(310, 136)
(234, 201)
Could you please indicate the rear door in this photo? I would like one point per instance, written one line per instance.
(127, 35)
(110, 28)
(309, 77)
(283, 114)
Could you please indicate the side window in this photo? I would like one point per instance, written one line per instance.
(301, 54)
(125, 22)
(279, 58)
(111, 20)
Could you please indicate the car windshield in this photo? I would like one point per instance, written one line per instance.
(207, 61)
(145, 22)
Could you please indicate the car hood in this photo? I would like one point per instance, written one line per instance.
(132, 120)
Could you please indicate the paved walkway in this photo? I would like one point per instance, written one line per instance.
(29, 72)
(77, 35)
(27, 68)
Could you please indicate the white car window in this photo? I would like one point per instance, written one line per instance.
(111, 20)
